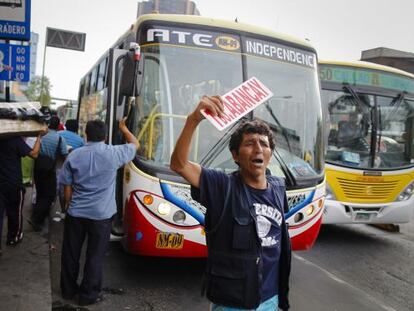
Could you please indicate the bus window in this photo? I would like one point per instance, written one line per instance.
(94, 77)
(393, 149)
(87, 85)
(102, 75)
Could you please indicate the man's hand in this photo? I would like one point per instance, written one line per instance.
(213, 104)
(34, 153)
(122, 125)
(67, 196)
(129, 137)
(179, 158)
(44, 131)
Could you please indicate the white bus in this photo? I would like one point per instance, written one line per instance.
(182, 58)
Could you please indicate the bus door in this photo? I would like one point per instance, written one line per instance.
(124, 84)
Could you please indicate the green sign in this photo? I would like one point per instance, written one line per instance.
(366, 77)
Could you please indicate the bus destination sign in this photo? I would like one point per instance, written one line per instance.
(230, 43)
(354, 76)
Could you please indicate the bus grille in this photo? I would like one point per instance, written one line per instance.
(353, 189)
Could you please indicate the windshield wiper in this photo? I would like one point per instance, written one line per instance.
(355, 95)
(374, 120)
(396, 103)
(285, 169)
(219, 146)
(284, 133)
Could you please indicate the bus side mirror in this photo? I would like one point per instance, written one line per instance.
(131, 76)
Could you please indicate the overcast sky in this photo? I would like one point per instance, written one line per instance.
(337, 29)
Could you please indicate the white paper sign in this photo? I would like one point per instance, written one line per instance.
(239, 102)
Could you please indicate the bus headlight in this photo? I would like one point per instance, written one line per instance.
(298, 217)
(406, 193)
(329, 193)
(164, 208)
(179, 217)
(310, 210)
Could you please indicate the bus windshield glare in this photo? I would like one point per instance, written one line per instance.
(371, 117)
(166, 99)
(355, 126)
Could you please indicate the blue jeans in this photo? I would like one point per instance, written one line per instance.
(269, 305)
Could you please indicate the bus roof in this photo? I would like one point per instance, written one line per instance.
(219, 23)
(366, 65)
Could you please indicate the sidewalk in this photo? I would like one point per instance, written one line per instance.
(25, 270)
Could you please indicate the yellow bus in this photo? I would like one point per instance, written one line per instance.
(370, 149)
(176, 59)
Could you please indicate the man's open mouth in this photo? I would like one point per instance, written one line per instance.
(258, 161)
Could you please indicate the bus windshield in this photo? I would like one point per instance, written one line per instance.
(368, 130)
(174, 80)
(293, 113)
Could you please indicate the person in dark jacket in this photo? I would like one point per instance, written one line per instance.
(249, 253)
(12, 149)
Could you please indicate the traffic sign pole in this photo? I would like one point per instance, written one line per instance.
(7, 84)
(43, 74)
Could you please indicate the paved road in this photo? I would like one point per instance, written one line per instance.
(375, 261)
(350, 268)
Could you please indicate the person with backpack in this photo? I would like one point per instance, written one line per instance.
(70, 134)
(249, 252)
(52, 147)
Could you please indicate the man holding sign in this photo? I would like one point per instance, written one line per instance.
(249, 252)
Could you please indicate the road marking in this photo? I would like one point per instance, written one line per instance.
(335, 278)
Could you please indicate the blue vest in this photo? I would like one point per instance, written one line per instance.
(233, 273)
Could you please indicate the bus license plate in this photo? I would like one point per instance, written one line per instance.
(362, 217)
(168, 240)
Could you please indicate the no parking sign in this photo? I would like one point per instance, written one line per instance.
(14, 62)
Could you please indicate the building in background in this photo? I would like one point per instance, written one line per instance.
(390, 57)
(167, 7)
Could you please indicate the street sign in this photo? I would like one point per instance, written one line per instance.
(14, 62)
(239, 101)
(15, 20)
(65, 39)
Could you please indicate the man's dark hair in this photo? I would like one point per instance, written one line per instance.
(254, 126)
(54, 123)
(45, 110)
(96, 130)
(72, 125)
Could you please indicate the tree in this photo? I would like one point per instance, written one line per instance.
(34, 93)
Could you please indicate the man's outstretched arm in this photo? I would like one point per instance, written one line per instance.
(129, 137)
(179, 159)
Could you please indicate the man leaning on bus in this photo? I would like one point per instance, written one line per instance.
(88, 176)
(248, 264)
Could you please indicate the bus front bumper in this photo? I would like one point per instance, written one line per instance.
(347, 213)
